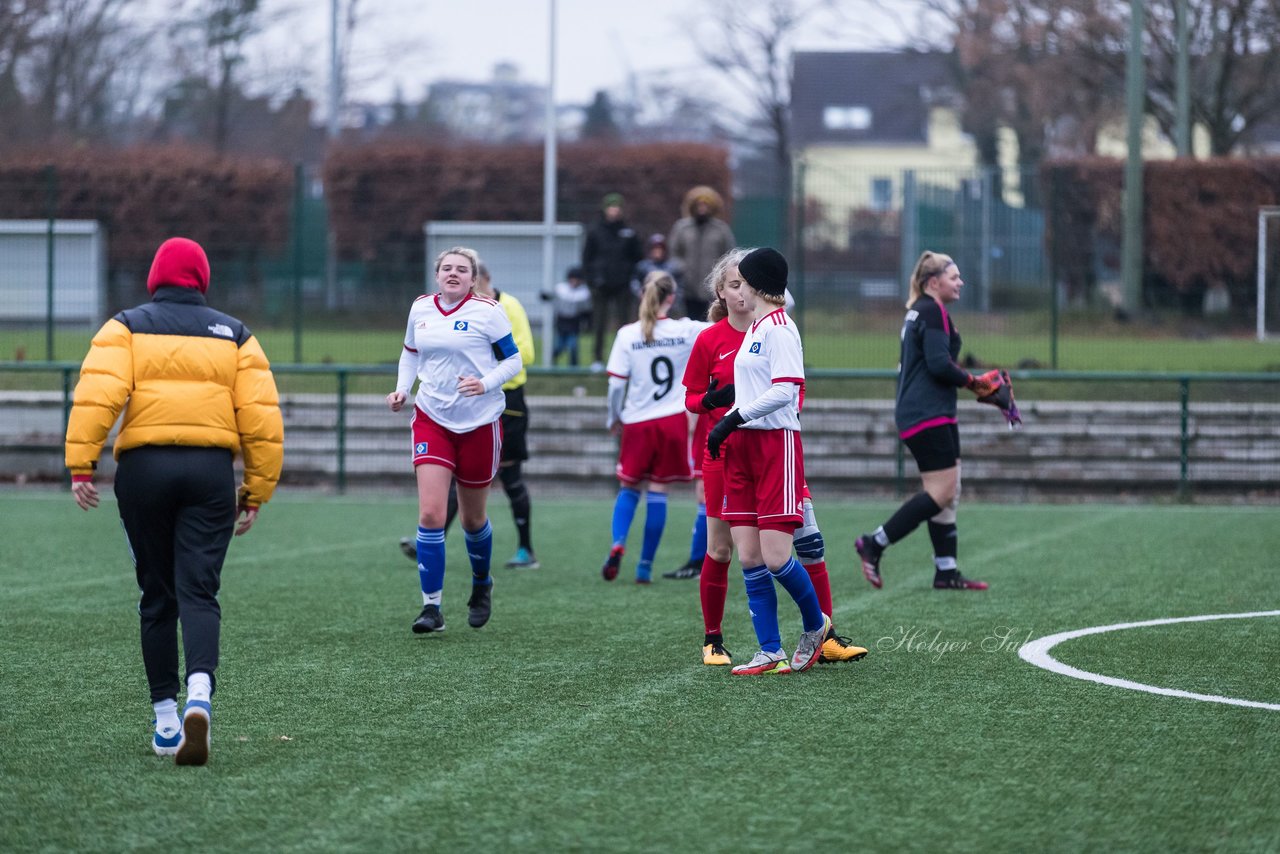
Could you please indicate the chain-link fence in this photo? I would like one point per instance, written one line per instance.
(315, 294)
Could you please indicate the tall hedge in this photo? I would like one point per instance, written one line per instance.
(238, 209)
(381, 194)
(1199, 223)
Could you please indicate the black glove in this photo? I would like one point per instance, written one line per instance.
(721, 431)
(716, 398)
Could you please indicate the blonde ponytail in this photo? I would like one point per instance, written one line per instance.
(930, 264)
(657, 287)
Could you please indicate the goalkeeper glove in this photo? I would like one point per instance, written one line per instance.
(717, 398)
(1001, 397)
(985, 384)
(721, 431)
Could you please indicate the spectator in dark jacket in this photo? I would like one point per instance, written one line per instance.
(609, 256)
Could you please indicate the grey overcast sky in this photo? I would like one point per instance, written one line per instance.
(409, 43)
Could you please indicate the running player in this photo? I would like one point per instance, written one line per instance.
(459, 349)
(515, 427)
(925, 412)
(646, 408)
(709, 392)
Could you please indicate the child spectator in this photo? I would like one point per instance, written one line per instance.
(571, 305)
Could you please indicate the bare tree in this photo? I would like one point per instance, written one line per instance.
(750, 43)
(67, 68)
(1031, 66)
(227, 25)
(1234, 64)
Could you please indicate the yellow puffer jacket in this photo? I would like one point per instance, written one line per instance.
(190, 376)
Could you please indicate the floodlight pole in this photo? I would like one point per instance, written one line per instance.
(1264, 213)
(549, 191)
(1135, 101)
(1182, 124)
(335, 74)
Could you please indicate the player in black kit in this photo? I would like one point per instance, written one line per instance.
(925, 414)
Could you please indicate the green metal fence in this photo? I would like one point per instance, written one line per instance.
(858, 230)
(1216, 430)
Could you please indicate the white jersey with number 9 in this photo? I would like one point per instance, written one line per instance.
(653, 369)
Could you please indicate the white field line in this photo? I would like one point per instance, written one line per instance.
(1037, 652)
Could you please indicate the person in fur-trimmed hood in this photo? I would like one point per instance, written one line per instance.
(697, 241)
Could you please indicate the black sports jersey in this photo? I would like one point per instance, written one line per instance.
(928, 375)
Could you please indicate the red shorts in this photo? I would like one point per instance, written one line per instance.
(764, 480)
(698, 449)
(713, 485)
(656, 450)
(471, 456)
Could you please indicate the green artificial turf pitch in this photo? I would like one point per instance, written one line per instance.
(581, 717)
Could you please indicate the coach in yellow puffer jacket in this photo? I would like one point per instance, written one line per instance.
(196, 390)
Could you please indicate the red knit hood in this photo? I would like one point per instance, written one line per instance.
(180, 262)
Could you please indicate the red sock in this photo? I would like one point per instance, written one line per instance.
(821, 584)
(713, 587)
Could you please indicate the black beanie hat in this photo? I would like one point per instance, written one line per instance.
(765, 270)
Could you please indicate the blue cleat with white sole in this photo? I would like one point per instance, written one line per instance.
(165, 741)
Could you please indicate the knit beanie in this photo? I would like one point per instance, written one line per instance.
(180, 262)
(611, 200)
(765, 270)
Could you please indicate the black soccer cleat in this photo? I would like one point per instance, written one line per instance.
(953, 580)
(409, 548)
(870, 552)
(480, 605)
(430, 620)
(692, 569)
(612, 563)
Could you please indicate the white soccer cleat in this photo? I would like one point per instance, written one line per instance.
(809, 647)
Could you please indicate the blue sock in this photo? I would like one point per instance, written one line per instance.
(795, 580)
(624, 510)
(698, 545)
(655, 520)
(762, 600)
(431, 559)
(480, 549)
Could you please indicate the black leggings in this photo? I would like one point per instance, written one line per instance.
(178, 506)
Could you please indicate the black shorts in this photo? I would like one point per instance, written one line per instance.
(936, 448)
(515, 425)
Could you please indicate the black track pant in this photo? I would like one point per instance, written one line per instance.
(178, 506)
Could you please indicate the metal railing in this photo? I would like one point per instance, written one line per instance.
(1183, 383)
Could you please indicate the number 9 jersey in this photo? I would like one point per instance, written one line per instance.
(653, 369)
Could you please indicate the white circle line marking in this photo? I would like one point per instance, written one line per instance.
(1037, 652)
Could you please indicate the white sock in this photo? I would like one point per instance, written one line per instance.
(432, 598)
(199, 687)
(167, 716)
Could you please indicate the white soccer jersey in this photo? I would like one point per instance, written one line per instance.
(440, 346)
(653, 370)
(770, 354)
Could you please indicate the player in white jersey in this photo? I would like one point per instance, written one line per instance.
(646, 405)
(459, 348)
(764, 468)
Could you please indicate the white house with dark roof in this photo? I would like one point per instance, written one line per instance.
(871, 116)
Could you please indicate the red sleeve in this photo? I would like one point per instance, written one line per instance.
(697, 372)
